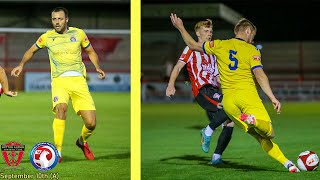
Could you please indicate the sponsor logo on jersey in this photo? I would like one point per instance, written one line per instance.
(216, 96)
(207, 67)
(257, 58)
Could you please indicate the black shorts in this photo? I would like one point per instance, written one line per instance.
(208, 97)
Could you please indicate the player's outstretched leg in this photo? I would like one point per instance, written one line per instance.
(291, 167)
(248, 119)
(84, 146)
(216, 119)
(58, 127)
(273, 150)
(262, 127)
(207, 132)
(223, 141)
(89, 119)
(205, 139)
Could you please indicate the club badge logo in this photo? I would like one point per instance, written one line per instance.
(12, 153)
(55, 99)
(73, 39)
(44, 156)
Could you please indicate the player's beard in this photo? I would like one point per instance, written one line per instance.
(60, 29)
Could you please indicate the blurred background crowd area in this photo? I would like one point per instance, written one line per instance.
(289, 44)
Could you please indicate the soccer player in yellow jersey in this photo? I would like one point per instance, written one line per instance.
(68, 74)
(4, 85)
(239, 62)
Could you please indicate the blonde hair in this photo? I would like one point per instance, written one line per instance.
(207, 23)
(243, 24)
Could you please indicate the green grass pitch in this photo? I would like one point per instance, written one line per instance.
(170, 144)
(27, 119)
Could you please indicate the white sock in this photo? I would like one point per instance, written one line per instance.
(287, 163)
(59, 153)
(208, 131)
(216, 156)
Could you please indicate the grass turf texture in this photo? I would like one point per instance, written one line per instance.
(171, 144)
(27, 119)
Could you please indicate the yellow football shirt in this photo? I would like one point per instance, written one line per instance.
(64, 50)
(236, 60)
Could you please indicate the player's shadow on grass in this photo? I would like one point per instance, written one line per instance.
(115, 156)
(185, 157)
(109, 156)
(197, 127)
(205, 162)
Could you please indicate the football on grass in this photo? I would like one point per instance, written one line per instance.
(308, 161)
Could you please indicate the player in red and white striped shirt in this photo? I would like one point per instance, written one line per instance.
(204, 77)
(202, 68)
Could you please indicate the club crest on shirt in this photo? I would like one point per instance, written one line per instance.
(40, 40)
(216, 96)
(55, 99)
(257, 58)
(72, 39)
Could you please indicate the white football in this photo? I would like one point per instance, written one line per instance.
(308, 161)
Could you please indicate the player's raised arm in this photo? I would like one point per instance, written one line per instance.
(177, 23)
(263, 81)
(26, 57)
